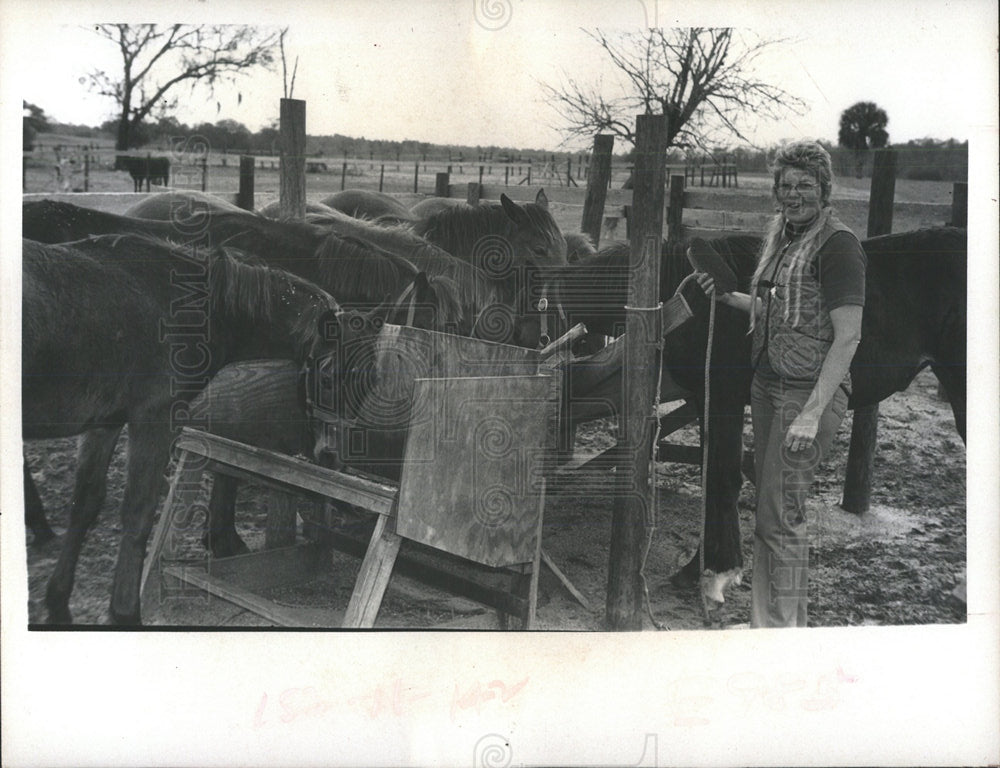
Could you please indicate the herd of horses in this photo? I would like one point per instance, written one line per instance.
(137, 319)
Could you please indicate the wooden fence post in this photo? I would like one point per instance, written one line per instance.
(675, 211)
(416, 175)
(623, 608)
(960, 204)
(598, 176)
(441, 181)
(343, 176)
(204, 174)
(506, 176)
(864, 422)
(86, 170)
(381, 176)
(244, 198)
(472, 195)
(292, 139)
(480, 175)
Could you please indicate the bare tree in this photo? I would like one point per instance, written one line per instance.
(157, 59)
(862, 127)
(701, 78)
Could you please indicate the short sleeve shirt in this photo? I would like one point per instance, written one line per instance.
(842, 264)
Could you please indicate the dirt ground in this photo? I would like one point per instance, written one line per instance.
(898, 564)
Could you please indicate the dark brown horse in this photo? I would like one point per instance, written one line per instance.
(505, 244)
(166, 206)
(124, 329)
(273, 210)
(359, 276)
(915, 316)
(368, 204)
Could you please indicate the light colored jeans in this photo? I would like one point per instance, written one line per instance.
(779, 596)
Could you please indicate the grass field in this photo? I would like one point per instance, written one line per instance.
(47, 173)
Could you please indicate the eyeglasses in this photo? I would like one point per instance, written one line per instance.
(803, 189)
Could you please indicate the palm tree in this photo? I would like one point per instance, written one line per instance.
(862, 127)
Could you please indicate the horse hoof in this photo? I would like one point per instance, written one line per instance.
(714, 585)
(125, 619)
(225, 546)
(58, 616)
(42, 537)
(686, 577)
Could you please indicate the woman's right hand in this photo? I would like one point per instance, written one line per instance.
(707, 283)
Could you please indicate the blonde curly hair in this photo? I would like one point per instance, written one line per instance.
(810, 157)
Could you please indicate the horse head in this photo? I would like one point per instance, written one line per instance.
(340, 373)
(534, 235)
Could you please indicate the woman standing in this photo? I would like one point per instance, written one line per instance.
(809, 290)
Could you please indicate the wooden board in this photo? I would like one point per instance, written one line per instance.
(472, 475)
(291, 472)
(402, 355)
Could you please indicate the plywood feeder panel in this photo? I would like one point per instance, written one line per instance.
(402, 354)
(474, 459)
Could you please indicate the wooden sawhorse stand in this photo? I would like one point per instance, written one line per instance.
(235, 578)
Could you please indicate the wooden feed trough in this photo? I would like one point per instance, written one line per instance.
(474, 423)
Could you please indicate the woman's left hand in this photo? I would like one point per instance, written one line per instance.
(802, 432)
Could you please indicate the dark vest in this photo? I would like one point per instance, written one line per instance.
(797, 346)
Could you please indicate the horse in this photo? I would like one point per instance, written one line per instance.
(507, 242)
(367, 204)
(431, 205)
(915, 316)
(183, 204)
(273, 210)
(498, 238)
(124, 329)
(507, 232)
(358, 275)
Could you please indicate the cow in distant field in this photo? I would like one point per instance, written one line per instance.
(155, 170)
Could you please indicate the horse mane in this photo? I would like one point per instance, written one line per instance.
(459, 229)
(447, 300)
(360, 269)
(243, 286)
(473, 288)
(398, 239)
(954, 239)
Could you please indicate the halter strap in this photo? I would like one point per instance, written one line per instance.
(544, 338)
(412, 308)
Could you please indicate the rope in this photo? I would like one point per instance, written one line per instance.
(704, 452)
(651, 514)
(654, 492)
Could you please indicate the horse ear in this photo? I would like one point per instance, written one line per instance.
(514, 212)
(541, 200)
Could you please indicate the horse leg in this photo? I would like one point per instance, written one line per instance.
(952, 378)
(148, 456)
(221, 538)
(34, 512)
(721, 537)
(93, 457)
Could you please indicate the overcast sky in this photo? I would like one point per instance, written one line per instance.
(468, 72)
